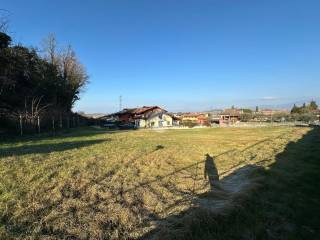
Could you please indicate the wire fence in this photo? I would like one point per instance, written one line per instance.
(20, 124)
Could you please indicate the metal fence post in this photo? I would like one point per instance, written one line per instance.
(60, 121)
(195, 178)
(38, 124)
(53, 127)
(20, 121)
(68, 122)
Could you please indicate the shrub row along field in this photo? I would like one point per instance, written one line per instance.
(96, 184)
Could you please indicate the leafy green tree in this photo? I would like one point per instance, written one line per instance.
(313, 105)
(307, 117)
(281, 116)
(189, 123)
(247, 110)
(245, 117)
(295, 109)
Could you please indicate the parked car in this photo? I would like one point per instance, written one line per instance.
(110, 125)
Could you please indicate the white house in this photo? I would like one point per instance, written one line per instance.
(155, 119)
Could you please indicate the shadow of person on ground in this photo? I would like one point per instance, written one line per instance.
(284, 204)
(210, 171)
(206, 207)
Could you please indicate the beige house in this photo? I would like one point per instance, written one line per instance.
(154, 120)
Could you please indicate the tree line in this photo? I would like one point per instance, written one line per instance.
(305, 113)
(36, 83)
(310, 108)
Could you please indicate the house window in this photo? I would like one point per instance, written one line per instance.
(168, 123)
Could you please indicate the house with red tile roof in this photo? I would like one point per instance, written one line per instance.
(144, 117)
(198, 118)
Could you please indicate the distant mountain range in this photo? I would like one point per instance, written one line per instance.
(92, 115)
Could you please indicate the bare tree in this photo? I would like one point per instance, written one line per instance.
(32, 110)
(72, 71)
(4, 20)
(49, 46)
(69, 66)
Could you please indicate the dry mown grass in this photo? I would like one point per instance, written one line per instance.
(92, 184)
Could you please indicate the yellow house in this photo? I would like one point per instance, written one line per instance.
(198, 118)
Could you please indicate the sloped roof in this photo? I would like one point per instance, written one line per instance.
(145, 109)
(136, 112)
(150, 114)
(193, 115)
(125, 111)
(233, 112)
(174, 117)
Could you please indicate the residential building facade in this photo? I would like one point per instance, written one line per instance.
(145, 117)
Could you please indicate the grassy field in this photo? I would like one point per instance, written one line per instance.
(95, 184)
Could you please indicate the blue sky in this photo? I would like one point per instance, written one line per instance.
(182, 55)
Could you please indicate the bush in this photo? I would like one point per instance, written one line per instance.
(246, 117)
(189, 123)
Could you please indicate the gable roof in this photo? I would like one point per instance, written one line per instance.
(148, 112)
(125, 111)
(145, 109)
(136, 112)
(231, 112)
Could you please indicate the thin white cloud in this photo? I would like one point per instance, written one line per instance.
(269, 98)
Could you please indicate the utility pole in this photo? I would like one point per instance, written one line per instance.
(120, 103)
